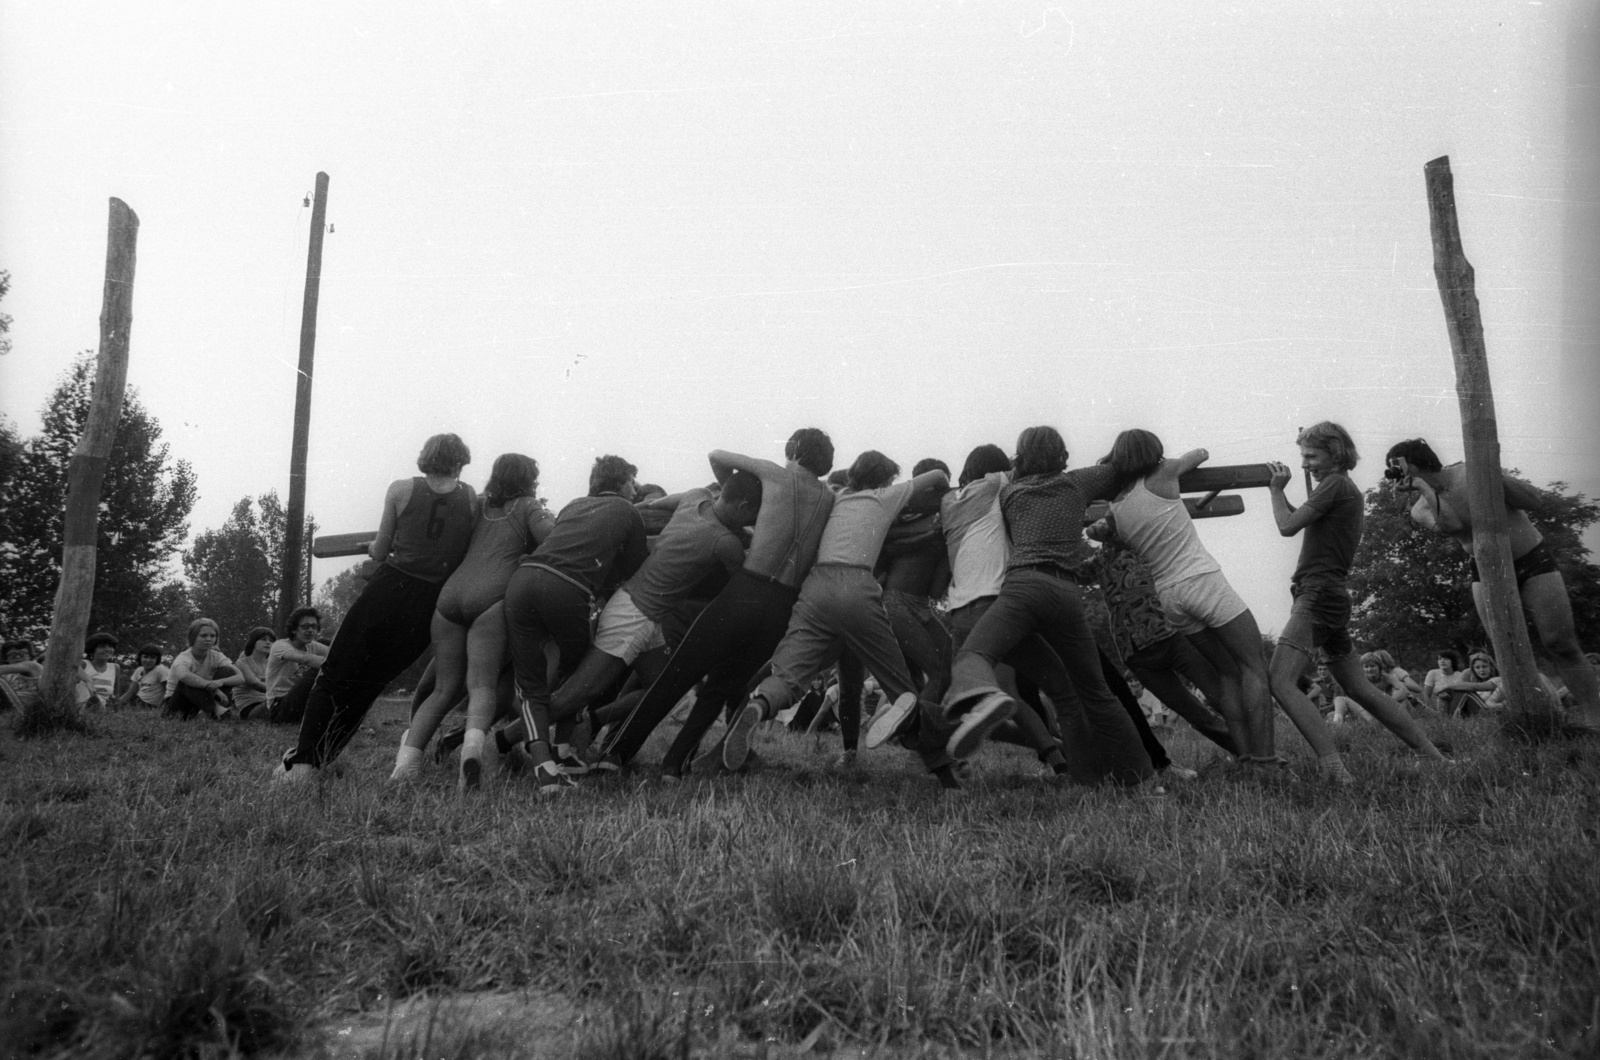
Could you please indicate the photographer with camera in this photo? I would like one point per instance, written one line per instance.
(1442, 506)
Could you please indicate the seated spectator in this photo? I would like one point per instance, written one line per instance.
(99, 675)
(1393, 680)
(250, 698)
(1438, 684)
(19, 676)
(1156, 715)
(292, 667)
(200, 677)
(148, 686)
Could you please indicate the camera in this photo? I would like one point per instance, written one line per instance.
(1393, 474)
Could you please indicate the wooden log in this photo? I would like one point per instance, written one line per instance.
(293, 536)
(1491, 540)
(1224, 505)
(86, 473)
(331, 546)
(1225, 477)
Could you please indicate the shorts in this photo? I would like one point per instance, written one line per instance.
(1204, 601)
(1536, 561)
(1320, 618)
(625, 632)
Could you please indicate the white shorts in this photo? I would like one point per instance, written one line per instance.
(625, 633)
(1205, 601)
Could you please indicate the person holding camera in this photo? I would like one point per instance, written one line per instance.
(1442, 506)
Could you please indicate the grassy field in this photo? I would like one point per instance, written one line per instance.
(159, 899)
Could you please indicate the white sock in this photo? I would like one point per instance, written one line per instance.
(472, 744)
(407, 762)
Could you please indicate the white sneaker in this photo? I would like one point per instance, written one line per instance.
(888, 721)
(978, 723)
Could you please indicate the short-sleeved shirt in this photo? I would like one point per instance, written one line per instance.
(244, 695)
(593, 539)
(859, 522)
(1329, 545)
(1044, 515)
(102, 683)
(286, 664)
(186, 663)
(693, 544)
(975, 536)
(151, 684)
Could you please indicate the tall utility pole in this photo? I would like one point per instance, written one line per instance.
(294, 534)
(1491, 540)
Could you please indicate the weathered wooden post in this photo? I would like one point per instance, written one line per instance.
(294, 533)
(64, 654)
(1491, 541)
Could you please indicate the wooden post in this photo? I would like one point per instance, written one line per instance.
(294, 532)
(85, 474)
(1491, 542)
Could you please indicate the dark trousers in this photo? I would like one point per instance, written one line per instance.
(1162, 665)
(543, 610)
(730, 640)
(187, 700)
(924, 640)
(290, 708)
(387, 629)
(1099, 739)
(1130, 705)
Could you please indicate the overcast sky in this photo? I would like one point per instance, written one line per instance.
(659, 229)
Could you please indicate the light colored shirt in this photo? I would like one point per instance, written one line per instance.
(286, 664)
(975, 536)
(859, 522)
(151, 684)
(186, 663)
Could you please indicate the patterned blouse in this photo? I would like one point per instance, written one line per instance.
(1137, 618)
(1044, 515)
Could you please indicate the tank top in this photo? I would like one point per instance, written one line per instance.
(432, 533)
(1163, 535)
(500, 539)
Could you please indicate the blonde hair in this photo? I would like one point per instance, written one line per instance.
(1333, 440)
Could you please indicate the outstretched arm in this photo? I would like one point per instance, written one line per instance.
(926, 491)
(1521, 495)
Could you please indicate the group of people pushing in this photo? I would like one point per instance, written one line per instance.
(754, 586)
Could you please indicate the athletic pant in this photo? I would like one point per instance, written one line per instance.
(543, 609)
(730, 640)
(387, 629)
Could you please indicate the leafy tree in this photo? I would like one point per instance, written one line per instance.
(235, 570)
(144, 509)
(333, 600)
(1412, 587)
(5, 318)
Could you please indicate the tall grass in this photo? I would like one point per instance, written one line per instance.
(162, 900)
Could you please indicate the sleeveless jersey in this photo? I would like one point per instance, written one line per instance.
(432, 533)
(1163, 535)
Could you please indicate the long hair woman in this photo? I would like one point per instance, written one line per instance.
(469, 624)
(422, 538)
(1148, 514)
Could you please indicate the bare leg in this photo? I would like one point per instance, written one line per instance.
(1545, 597)
(1288, 661)
(1390, 713)
(450, 673)
(1230, 697)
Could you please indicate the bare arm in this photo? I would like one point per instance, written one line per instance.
(927, 489)
(1290, 520)
(394, 502)
(724, 463)
(1521, 495)
(1163, 481)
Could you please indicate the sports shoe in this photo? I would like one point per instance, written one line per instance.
(888, 721)
(611, 763)
(471, 774)
(846, 761)
(447, 743)
(978, 723)
(551, 780)
(571, 764)
(736, 743)
(1176, 772)
(708, 763)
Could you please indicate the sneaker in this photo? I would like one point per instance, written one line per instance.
(846, 761)
(572, 765)
(471, 774)
(978, 723)
(708, 763)
(670, 775)
(611, 763)
(1176, 772)
(551, 780)
(889, 720)
(516, 761)
(736, 742)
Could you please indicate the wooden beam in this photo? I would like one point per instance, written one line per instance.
(331, 546)
(1225, 477)
(86, 473)
(294, 532)
(1491, 540)
(1224, 505)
